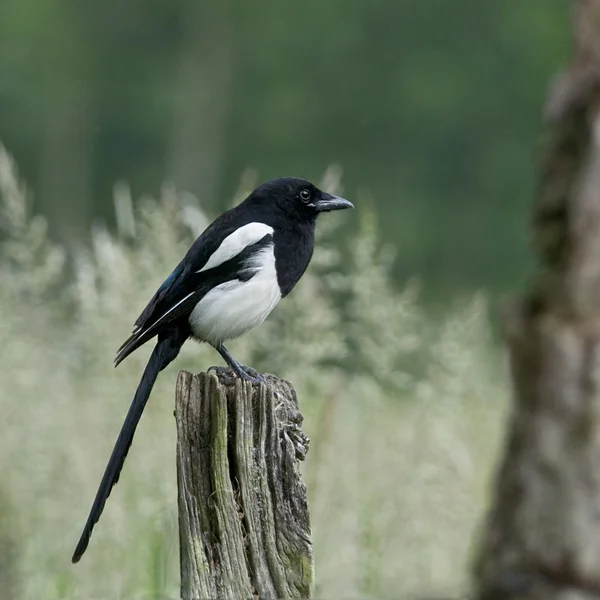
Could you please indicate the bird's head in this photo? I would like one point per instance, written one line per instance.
(298, 198)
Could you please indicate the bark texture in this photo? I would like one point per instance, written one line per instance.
(542, 536)
(244, 524)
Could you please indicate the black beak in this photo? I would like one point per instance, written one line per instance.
(329, 202)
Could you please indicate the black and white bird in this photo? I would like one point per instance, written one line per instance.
(232, 277)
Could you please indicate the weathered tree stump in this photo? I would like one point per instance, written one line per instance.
(244, 526)
(542, 536)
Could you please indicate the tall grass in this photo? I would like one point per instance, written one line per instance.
(405, 414)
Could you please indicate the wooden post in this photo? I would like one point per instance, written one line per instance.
(244, 527)
(542, 536)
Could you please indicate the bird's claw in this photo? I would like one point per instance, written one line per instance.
(251, 375)
(250, 371)
(243, 372)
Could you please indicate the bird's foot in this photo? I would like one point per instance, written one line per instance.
(242, 371)
(249, 374)
(250, 371)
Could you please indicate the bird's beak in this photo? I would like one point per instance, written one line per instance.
(329, 202)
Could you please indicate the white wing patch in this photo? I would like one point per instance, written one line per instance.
(235, 242)
(234, 307)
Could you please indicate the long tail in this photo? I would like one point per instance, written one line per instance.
(167, 348)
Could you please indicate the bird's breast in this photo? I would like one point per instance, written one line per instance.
(232, 308)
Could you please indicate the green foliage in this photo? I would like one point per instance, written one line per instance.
(9, 567)
(404, 412)
(432, 106)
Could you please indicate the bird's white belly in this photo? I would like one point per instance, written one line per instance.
(233, 308)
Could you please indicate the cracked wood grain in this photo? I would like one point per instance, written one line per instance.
(244, 523)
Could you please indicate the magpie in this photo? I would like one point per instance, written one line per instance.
(232, 277)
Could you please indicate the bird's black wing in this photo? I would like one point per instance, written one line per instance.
(187, 284)
(172, 289)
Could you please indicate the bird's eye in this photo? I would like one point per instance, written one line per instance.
(305, 195)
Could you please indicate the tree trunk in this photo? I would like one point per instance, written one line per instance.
(244, 525)
(542, 536)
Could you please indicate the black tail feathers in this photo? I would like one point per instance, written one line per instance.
(167, 348)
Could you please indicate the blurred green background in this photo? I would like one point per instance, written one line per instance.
(430, 107)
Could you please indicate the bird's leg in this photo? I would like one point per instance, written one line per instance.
(244, 372)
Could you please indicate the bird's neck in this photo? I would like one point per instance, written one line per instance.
(294, 244)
